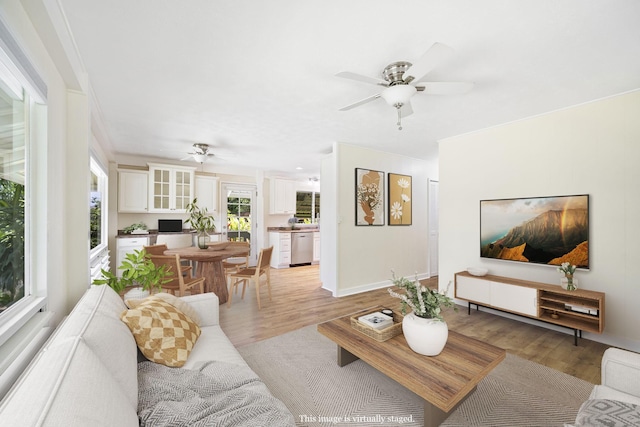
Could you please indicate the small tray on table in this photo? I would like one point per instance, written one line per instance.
(379, 335)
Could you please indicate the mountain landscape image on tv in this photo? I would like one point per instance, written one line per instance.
(540, 230)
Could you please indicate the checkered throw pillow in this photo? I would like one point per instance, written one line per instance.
(163, 333)
(184, 307)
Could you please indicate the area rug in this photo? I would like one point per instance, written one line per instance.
(300, 369)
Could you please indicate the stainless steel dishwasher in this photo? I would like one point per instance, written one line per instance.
(301, 248)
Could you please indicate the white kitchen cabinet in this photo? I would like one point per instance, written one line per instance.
(171, 188)
(125, 245)
(281, 256)
(316, 248)
(206, 192)
(133, 190)
(282, 199)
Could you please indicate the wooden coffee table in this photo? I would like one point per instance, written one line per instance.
(443, 381)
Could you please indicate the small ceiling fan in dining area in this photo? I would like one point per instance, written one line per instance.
(200, 153)
(402, 80)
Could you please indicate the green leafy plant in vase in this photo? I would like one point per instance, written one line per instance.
(201, 221)
(137, 270)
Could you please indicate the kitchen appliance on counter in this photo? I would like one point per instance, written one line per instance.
(169, 226)
(301, 248)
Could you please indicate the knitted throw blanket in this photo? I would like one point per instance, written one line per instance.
(217, 394)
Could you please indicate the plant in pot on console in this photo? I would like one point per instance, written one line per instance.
(137, 270)
(424, 328)
(200, 220)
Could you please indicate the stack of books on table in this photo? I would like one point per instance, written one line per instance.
(376, 320)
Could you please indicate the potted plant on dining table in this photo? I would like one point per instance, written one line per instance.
(201, 221)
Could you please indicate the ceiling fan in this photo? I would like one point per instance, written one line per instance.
(403, 79)
(200, 153)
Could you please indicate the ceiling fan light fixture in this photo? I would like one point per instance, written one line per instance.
(200, 158)
(398, 95)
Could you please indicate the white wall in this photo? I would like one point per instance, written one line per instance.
(590, 149)
(363, 256)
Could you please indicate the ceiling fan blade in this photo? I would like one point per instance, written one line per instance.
(361, 78)
(361, 102)
(406, 110)
(444, 88)
(436, 54)
(186, 158)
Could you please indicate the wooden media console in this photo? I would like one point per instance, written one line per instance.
(580, 310)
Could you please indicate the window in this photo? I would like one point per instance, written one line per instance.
(97, 206)
(98, 213)
(13, 113)
(239, 215)
(23, 215)
(308, 206)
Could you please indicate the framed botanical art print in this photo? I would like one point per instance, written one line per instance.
(399, 205)
(369, 197)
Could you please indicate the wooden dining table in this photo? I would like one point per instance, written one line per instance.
(209, 266)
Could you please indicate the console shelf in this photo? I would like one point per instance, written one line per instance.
(579, 310)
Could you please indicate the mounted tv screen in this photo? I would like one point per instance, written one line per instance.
(538, 230)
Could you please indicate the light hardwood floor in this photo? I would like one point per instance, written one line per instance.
(299, 300)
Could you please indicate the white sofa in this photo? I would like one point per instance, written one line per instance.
(616, 402)
(86, 373)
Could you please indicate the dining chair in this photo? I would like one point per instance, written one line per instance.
(178, 284)
(245, 275)
(159, 249)
(235, 264)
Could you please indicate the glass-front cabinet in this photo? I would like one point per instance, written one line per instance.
(171, 188)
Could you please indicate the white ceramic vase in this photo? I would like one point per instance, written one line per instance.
(425, 336)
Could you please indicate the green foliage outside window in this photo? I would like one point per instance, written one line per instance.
(11, 243)
(239, 218)
(95, 220)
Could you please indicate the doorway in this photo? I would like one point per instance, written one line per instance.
(238, 202)
(433, 228)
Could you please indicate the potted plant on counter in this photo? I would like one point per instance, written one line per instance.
(137, 228)
(201, 221)
(137, 270)
(424, 328)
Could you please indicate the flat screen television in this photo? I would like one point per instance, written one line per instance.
(538, 230)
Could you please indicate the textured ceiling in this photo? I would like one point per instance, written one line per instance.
(256, 80)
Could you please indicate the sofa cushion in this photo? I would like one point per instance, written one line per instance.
(213, 344)
(604, 392)
(207, 305)
(163, 333)
(67, 385)
(171, 299)
(96, 320)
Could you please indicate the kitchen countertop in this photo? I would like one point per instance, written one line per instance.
(295, 230)
(121, 234)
